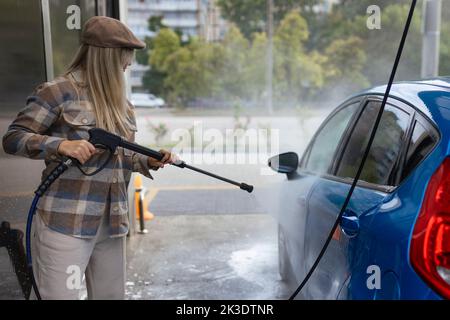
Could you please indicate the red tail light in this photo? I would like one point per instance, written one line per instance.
(430, 243)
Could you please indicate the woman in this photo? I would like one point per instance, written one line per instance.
(82, 220)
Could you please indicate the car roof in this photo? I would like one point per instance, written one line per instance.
(422, 94)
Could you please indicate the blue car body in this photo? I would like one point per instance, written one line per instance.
(384, 219)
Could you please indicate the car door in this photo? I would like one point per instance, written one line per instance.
(378, 178)
(292, 195)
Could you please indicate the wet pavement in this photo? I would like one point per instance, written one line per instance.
(208, 240)
(205, 257)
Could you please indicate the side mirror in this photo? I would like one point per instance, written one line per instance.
(284, 163)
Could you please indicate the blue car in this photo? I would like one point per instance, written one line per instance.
(393, 241)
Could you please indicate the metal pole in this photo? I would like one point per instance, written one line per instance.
(431, 28)
(269, 62)
(142, 229)
(48, 47)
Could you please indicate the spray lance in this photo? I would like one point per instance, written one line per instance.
(100, 137)
(104, 140)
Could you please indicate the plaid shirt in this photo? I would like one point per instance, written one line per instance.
(74, 203)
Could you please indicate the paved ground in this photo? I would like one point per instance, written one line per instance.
(208, 240)
(192, 254)
(206, 257)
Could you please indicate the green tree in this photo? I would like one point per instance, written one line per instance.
(324, 29)
(381, 45)
(154, 25)
(153, 80)
(232, 73)
(352, 8)
(142, 56)
(157, 51)
(444, 63)
(256, 71)
(164, 44)
(349, 18)
(297, 72)
(251, 16)
(191, 72)
(178, 86)
(344, 66)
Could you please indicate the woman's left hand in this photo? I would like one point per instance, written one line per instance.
(167, 159)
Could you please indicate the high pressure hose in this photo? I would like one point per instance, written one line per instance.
(28, 245)
(45, 184)
(365, 155)
(43, 187)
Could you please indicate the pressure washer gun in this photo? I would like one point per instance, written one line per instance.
(103, 138)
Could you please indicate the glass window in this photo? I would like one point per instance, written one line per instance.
(65, 42)
(324, 145)
(22, 60)
(385, 149)
(422, 141)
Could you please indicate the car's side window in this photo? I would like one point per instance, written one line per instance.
(385, 149)
(422, 141)
(322, 150)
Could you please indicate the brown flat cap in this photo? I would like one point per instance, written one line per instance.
(105, 32)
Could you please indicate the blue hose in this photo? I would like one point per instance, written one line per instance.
(28, 231)
(31, 214)
(45, 184)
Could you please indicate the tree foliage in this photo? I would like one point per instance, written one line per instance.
(251, 16)
(345, 65)
(381, 45)
(164, 44)
(315, 54)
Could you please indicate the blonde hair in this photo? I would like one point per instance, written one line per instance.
(102, 69)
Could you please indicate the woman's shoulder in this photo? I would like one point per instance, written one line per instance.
(54, 92)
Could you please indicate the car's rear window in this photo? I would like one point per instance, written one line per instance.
(386, 147)
(423, 139)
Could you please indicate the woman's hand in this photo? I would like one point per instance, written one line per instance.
(81, 150)
(168, 158)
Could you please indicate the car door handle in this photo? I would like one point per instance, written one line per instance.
(350, 223)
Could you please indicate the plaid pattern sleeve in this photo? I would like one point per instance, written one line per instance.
(26, 136)
(140, 164)
(74, 203)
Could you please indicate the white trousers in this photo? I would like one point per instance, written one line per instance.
(60, 261)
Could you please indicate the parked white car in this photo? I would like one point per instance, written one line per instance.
(146, 100)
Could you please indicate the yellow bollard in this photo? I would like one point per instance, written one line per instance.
(141, 199)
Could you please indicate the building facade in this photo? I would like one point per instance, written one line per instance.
(199, 18)
(326, 6)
